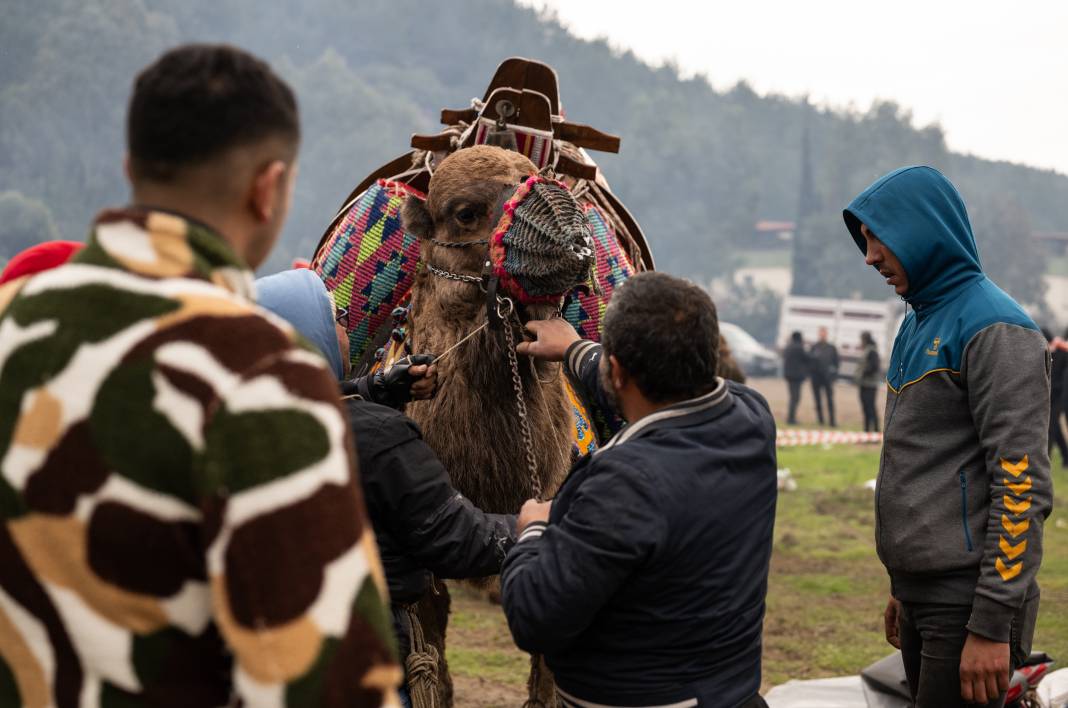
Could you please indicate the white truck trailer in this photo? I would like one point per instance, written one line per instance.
(844, 320)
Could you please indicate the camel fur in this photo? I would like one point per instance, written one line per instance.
(473, 422)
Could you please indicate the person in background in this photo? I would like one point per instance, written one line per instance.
(38, 258)
(964, 478)
(796, 367)
(823, 357)
(617, 581)
(182, 519)
(868, 377)
(422, 524)
(1059, 353)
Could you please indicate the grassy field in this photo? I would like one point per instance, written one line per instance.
(826, 592)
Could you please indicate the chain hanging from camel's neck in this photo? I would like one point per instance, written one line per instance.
(520, 400)
(506, 312)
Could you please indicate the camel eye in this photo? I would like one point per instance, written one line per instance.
(466, 216)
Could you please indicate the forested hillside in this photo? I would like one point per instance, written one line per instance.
(698, 167)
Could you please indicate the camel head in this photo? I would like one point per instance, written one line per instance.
(488, 211)
(463, 206)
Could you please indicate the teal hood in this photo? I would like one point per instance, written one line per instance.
(920, 216)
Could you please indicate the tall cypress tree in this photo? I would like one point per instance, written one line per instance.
(804, 245)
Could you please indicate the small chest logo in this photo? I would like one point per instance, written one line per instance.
(933, 351)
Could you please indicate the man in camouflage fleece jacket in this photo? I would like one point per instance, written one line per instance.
(182, 522)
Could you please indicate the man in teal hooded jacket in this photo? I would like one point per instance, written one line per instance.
(964, 479)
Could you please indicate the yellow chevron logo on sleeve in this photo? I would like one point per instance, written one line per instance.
(1017, 507)
(1011, 551)
(1015, 469)
(1009, 572)
(1015, 529)
(1020, 488)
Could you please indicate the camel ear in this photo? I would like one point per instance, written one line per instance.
(416, 217)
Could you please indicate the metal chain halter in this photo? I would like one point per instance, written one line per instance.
(449, 275)
(458, 244)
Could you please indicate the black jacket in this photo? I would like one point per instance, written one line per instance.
(795, 362)
(823, 360)
(1058, 376)
(421, 523)
(647, 585)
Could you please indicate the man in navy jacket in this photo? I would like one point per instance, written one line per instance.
(643, 582)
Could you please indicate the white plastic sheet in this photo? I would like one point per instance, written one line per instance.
(1053, 691)
(842, 692)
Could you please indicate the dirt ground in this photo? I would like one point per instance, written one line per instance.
(846, 402)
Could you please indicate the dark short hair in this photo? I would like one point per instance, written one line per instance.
(199, 100)
(663, 330)
(867, 338)
(795, 336)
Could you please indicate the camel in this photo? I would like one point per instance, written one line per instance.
(450, 189)
(473, 421)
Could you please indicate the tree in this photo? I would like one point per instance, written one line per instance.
(697, 167)
(754, 308)
(1009, 255)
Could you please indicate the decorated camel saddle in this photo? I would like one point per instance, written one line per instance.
(369, 261)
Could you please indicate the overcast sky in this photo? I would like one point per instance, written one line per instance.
(993, 74)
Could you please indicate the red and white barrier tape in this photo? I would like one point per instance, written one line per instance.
(792, 437)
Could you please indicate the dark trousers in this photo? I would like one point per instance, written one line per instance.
(1056, 434)
(794, 386)
(867, 404)
(932, 638)
(823, 388)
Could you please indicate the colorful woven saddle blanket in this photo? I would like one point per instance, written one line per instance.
(369, 262)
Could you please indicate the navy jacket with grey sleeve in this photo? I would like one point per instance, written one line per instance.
(964, 480)
(647, 585)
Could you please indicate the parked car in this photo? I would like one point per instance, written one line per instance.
(754, 358)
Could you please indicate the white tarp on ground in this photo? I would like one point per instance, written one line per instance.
(1053, 691)
(843, 692)
(850, 692)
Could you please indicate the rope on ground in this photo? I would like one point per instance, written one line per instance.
(421, 665)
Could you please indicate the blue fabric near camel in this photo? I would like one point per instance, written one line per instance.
(300, 298)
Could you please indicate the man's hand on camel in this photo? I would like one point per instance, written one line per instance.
(551, 339)
(426, 381)
(533, 510)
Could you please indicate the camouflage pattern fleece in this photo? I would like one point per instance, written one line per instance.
(182, 523)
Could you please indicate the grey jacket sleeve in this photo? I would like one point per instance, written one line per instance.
(1007, 373)
(582, 364)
